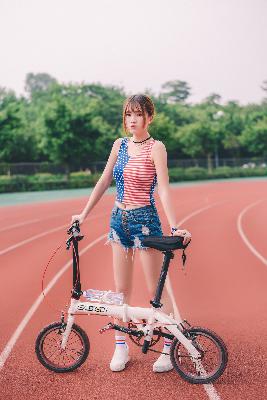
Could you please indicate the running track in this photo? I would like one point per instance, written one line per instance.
(224, 289)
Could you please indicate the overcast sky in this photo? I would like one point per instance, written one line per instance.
(215, 45)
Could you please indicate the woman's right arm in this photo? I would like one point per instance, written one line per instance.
(102, 184)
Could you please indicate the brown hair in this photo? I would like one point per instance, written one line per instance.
(138, 102)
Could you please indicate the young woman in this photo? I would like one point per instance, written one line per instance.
(137, 162)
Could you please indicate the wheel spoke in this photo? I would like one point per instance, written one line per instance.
(53, 356)
(212, 361)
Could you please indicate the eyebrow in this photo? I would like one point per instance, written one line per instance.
(135, 111)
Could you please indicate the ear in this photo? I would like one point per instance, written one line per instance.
(150, 119)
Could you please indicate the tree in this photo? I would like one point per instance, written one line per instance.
(213, 98)
(16, 144)
(254, 138)
(175, 91)
(264, 88)
(36, 83)
(201, 137)
(76, 136)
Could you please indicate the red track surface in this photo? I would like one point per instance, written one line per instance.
(224, 289)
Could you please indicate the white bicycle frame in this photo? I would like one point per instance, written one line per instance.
(154, 318)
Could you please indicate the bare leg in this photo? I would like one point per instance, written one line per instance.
(152, 262)
(123, 272)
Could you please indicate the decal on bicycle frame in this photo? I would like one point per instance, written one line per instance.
(90, 308)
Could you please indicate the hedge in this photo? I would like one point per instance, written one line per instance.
(47, 181)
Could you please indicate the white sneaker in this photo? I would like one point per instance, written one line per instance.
(120, 358)
(163, 364)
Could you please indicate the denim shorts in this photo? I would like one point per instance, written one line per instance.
(129, 227)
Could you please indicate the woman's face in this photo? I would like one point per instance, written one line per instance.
(134, 120)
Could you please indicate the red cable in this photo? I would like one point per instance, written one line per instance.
(46, 267)
(45, 270)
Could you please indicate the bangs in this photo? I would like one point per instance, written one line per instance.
(133, 106)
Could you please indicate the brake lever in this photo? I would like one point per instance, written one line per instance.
(68, 242)
(74, 227)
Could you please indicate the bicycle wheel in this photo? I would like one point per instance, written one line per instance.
(213, 356)
(53, 357)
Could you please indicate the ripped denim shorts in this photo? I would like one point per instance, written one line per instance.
(129, 227)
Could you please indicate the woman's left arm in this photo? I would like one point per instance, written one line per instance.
(159, 156)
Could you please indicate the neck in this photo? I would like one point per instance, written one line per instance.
(139, 138)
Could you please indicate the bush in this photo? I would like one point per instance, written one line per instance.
(196, 173)
(176, 174)
(75, 180)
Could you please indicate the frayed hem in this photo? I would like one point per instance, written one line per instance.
(109, 241)
(126, 249)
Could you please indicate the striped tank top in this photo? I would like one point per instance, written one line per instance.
(135, 176)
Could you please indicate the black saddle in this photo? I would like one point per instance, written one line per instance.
(164, 243)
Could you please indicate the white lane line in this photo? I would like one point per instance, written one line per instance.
(32, 238)
(19, 244)
(177, 314)
(12, 341)
(244, 237)
(29, 222)
(200, 210)
(209, 388)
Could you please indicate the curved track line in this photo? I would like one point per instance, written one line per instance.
(30, 221)
(12, 341)
(244, 237)
(168, 282)
(32, 238)
(209, 388)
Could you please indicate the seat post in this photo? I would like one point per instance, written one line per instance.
(168, 255)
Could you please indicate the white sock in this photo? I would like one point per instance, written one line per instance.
(120, 341)
(167, 345)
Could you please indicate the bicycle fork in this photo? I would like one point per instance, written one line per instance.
(70, 322)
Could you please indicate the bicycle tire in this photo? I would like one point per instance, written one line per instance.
(177, 357)
(47, 339)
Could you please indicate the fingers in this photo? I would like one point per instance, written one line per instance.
(76, 218)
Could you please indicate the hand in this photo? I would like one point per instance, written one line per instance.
(79, 218)
(183, 232)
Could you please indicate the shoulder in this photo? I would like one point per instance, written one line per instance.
(117, 143)
(158, 147)
(159, 153)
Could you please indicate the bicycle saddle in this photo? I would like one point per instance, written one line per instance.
(164, 243)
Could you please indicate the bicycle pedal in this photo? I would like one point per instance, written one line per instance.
(106, 327)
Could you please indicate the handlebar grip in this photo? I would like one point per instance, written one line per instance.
(74, 227)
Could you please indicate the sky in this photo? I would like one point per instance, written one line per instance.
(216, 46)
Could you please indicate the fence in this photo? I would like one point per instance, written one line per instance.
(46, 167)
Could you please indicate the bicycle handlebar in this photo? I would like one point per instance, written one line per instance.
(74, 231)
(74, 228)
